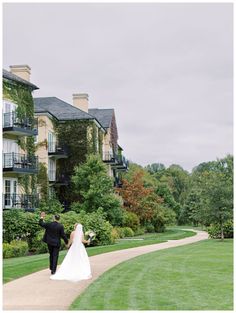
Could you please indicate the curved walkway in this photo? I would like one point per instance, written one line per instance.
(38, 292)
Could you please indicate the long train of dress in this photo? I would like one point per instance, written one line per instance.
(75, 266)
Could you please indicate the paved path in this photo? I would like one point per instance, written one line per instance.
(38, 292)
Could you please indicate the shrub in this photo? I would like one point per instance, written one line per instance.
(215, 232)
(163, 216)
(18, 224)
(229, 229)
(131, 220)
(119, 231)
(128, 232)
(15, 248)
(139, 231)
(51, 206)
(95, 221)
(124, 232)
(68, 220)
(38, 246)
(149, 228)
(114, 234)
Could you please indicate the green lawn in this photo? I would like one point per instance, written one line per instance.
(193, 277)
(21, 266)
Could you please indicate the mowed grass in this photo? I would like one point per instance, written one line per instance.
(198, 276)
(18, 267)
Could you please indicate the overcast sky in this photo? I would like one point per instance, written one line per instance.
(166, 69)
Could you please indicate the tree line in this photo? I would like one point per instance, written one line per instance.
(202, 197)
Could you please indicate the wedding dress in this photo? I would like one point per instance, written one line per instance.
(75, 266)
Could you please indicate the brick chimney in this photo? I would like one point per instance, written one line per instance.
(23, 71)
(80, 101)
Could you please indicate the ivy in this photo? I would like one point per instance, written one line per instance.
(42, 180)
(82, 138)
(22, 96)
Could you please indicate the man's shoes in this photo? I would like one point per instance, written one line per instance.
(52, 272)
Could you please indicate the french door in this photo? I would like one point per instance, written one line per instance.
(51, 142)
(8, 111)
(10, 192)
(51, 169)
(10, 148)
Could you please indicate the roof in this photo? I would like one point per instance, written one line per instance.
(104, 116)
(15, 78)
(60, 109)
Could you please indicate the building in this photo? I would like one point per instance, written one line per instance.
(112, 152)
(52, 150)
(60, 153)
(19, 128)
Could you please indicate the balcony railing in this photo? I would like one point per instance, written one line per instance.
(123, 164)
(21, 126)
(57, 178)
(21, 201)
(57, 150)
(20, 163)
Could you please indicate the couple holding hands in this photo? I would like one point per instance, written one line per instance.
(75, 266)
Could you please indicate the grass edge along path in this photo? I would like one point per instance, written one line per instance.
(15, 268)
(197, 276)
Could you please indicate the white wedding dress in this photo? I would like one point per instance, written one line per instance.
(75, 266)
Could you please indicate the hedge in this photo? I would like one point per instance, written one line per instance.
(14, 249)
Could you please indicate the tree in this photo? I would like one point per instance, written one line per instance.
(133, 192)
(155, 168)
(95, 189)
(140, 199)
(180, 179)
(210, 200)
(218, 193)
(163, 190)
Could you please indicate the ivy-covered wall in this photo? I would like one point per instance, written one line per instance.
(81, 138)
(22, 96)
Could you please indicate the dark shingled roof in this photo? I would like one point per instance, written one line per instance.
(60, 109)
(104, 116)
(15, 78)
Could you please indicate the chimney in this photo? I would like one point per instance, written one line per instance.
(80, 101)
(23, 71)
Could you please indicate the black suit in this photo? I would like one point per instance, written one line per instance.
(54, 231)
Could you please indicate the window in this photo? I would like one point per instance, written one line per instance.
(51, 170)
(51, 142)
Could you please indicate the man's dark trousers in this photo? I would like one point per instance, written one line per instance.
(53, 257)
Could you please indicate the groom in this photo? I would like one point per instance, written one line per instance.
(54, 231)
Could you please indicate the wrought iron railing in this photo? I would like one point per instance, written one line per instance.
(122, 161)
(20, 161)
(11, 119)
(55, 148)
(54, 176)
(20, 201)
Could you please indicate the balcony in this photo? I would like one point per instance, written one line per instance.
(58, 179)
(109, 158)
(57, 151)
(20, 163)
(122, 163)
(26, 202)
(19, 126)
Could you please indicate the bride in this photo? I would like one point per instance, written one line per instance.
(75, 265)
